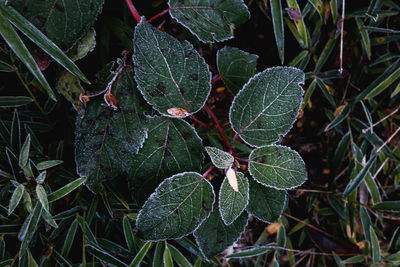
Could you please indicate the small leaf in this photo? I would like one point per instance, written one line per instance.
(209, 21)
(388, 205)
(219, 158)
(24, 153)
(128, 233)
(247, 253)
(295, 14)
(214, 236)
(26, 234)
(334, 10)
(167, 258)
(14, 101)
(16, 198)
(323, 57)
(375, 248)
(265, 203)
(141, 254)
(157, 258)
(104, 256)
(48, 164)
(267, 106)
(42, 196)
(177, 207)
(41, 177)
(277, 166)
(360, 177)
(277, 20)
(66, 189)
(354, 259)
(69, 239)
(343, 114)
(231, 202)
(178, 257)
(170, 74)
(236, 67)
(366, 42)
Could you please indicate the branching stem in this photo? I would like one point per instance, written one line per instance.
(208, 171)
(133, 11)
(162, 13)
(219, 127)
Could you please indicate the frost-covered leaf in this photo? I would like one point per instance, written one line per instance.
(232, 203)
(172, 146)
(171, 75)
(106, 139)
(16, 198)
(210, 20)
(267, 106)
(213, 236)
(177, 207)
(220, 158)
(265, 203)
(277, 166)
(236, 67)
(64, 22)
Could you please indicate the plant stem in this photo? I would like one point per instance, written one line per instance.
(219, 127)
(216, 79)
(208, 171)
(200, 122)
(133, 10)
(159, 15)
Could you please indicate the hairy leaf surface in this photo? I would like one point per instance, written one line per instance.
(220, 158)
(265, 203)
(236, 67)
(277, 166)
(232, 203)
(170, 74)
(172, 146)
(267, 106)
(209, 20)
(106, 139)
(213, 236)
(64, 22)
(177, 207)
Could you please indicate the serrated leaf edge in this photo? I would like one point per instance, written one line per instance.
(155, 192)
(248, 82)
(271, 186)
(212, 160)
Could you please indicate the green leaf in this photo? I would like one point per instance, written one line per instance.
(297, 17)
(140, 255)
(247, 253)
(395, 91)
(172, 146)
(277, 166)
(354, 259)
(60, 259)
(214, 236)
(14, 101)
(360, 177)
(210, 21)
(55, 17)
(388, 205)
(16, 198)
(41, 177)
(26, 234)
(106, 139)
(178, 257)
(41, 40)
(231, 203)
(384, 84)
(343, 114)
(48, 164)
(157, 258)
(366, 223)
(323, 57)
(177, 207)
(24, 153)
(5, 67)
(267, 106)
(372, 188)
(104, 256)
(66, 189)
(265, 203)
(375, 248)
(167, 258)
(16, 44)
(220, 158)
(128, 233)
(277, 20)
(365, 41)
(69, 239)
(42, 196)
(299, 58)
(236, 67)
(171, 75)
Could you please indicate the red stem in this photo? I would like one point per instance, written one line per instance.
(218, 126)
(159, 15)
(208, 171)
(216, 79)
(133, 10)
(200, 122)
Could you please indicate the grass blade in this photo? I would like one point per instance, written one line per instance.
(167, 257)
(277, 20)
(126, 225)
(375, 249)
(360, 177)
(104, 256)
(16, 198)
(139, 257)
(14, 101)
(66, 189)
(24, 153)
(69, 239)
(298, 19)
(179, 257)
(384, 84)
(366, 42)
(334, 10)
(388, 205)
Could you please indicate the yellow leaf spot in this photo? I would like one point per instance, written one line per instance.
(220, 89)
(380, 39)
(338, 110)
(273, 228)
(330, 89)
(230, 173)
(309, 103)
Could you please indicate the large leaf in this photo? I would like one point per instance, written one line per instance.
(213, 236)
(171, 75)
(177, 207)
(265, 203)
(265, 109)
(236, 67)
(64, 22)
(232, 203)
(172, 146)
(220, 158)
(105, 139)
(209, 20)
(277, 166)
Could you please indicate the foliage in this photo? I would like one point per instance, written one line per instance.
(184, 145)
